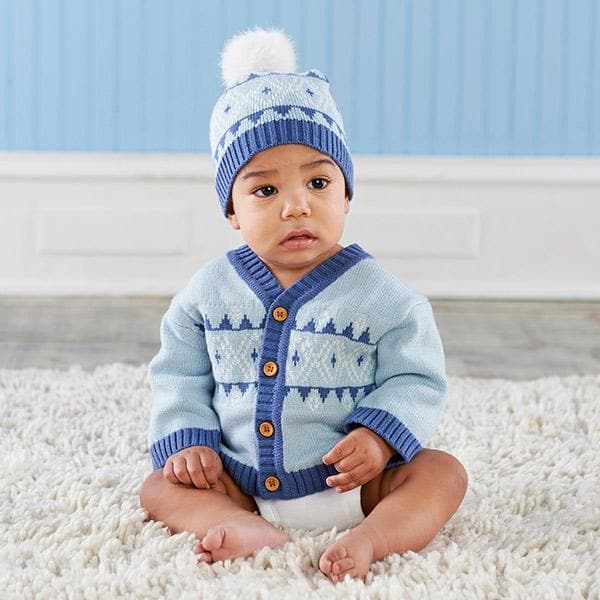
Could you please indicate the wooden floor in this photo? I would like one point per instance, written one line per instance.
(515, 340)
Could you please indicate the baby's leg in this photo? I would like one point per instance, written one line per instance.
(222, 517)
(406, 506)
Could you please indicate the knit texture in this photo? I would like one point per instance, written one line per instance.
(358, 348)
(264, 110)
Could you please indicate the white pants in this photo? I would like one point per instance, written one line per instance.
(324, 510)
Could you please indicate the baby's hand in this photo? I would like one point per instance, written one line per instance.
(199, 466)
(359, 457)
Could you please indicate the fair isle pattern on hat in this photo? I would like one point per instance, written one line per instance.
(265, 109)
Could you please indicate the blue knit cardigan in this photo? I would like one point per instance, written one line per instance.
(273, 378)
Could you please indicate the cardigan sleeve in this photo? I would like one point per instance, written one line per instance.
(182, 384)
(410, 386)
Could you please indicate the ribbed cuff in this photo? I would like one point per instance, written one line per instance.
(184, 438)
(388, 427)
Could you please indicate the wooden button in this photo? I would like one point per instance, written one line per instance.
(280, 314)
(270, 368)
(272, 483)
(266, 428)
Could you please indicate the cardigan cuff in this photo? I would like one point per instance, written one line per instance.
(183, 438)
(388, 427)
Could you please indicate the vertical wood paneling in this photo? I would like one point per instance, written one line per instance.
(420, 81)
(552, 77)
(104, 111)
(576, 102)
(5, 75)
(234, 16)
(159, 78)
(498, 77)
(368, 76)
(489, 77)
(446, 100)
(22, 69)
(204, 71)
(407, 53)
(75, 65)
(292, 15)
(342, 64)
(526, 97)
(392, 133)
(130, 76)
(51, 101)
(312, 48)
(593, 118)
(433, 76)
(183, 78)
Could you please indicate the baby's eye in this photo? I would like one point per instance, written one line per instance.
(323, 183)
(266, 187)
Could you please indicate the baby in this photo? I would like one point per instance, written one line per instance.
(297, 379)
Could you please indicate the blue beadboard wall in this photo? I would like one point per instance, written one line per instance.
(421, 77)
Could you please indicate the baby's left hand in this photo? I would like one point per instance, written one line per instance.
(359, 457)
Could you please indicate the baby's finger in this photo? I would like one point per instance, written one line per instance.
(349, 463)
(194, 469)
(346, 488)
(342, 449)
(168, 473)
(212, 468)
(180, 470)
(353, 478)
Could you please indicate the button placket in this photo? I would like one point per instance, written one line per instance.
(265, 428)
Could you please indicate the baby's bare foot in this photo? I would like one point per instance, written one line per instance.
(351, 555)
(240, 535)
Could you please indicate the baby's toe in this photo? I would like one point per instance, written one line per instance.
(333, 554)
(198, 548)
(203, 554)
(353, 573)
(342, 565)
(205, 557)
(213, 539)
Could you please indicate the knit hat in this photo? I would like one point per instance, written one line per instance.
(266, 103)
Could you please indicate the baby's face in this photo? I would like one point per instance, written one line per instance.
(293, 195)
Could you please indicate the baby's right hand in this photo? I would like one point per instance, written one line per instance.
(199, 466)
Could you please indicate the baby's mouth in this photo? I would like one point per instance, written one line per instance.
(299, 235)
(300, 240)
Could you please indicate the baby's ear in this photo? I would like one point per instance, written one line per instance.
(231, 215)
(232, 218)
(347, 210)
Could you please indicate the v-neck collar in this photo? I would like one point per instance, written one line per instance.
(265, 285)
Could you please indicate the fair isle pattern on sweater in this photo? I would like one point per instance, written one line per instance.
(358, 348)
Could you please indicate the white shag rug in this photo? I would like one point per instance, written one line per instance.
(73, 448)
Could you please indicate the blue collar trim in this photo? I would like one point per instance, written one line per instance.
(264, 284)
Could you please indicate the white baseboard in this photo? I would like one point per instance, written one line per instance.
(126, 224)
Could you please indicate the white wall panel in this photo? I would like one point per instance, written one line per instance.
(135, 224)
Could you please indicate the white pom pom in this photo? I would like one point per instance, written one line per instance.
(257, 51)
